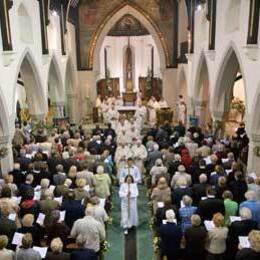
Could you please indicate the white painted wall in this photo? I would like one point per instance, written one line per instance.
(141, 48)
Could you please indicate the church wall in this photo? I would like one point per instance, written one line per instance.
(30, 48)
(228, 36)
(141, 48)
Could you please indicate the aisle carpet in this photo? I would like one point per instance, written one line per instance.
(138, 244)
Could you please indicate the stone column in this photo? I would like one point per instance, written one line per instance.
(200, 113)
(253, 164)
(7, 161)
(70, 111)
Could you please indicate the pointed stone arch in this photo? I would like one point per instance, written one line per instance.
(227, 72)
(55, 86)
(109, 21)
(36, 98)
(4, 122)
(25, 25)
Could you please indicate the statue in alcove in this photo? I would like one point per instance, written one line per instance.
(129, 69)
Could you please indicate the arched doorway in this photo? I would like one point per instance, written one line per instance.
(55, 92)
(230, 94)
(28, 91)
(201, 94)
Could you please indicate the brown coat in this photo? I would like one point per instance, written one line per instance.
(161, 194)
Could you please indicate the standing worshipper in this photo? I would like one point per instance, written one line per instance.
(182, 112)
(128, 193)
(153, 105)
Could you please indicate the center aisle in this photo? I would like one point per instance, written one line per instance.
(144, 233)
(115, 235)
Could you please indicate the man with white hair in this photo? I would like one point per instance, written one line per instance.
(153, 156)
(90, 229)
(240, 228)
(199, 189)
(170, 235)
(139, 154)
(253, 204)
(195, 237)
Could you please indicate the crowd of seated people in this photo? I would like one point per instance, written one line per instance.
(58, 194)
(203, 201)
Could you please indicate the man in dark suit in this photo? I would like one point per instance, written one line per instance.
(199, 189)
(237, 229)
(195, 237)
(26, 186)
(208, 207)
(60, 176)
(170, 234)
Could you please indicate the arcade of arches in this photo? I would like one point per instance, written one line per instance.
(68, 65)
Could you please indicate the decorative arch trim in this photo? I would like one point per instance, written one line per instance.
(129, 8)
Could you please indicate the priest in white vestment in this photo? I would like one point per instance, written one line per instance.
(128, 193)
(182, 112)
(104, 109)
(153, 105)
(129, 169)
(140, 154)
(113, 116)
(98, 105)
(141, 114)
(122, 153)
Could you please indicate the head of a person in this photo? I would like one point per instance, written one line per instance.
(29, 179)
(222, 181)
(218, 220)
(203, 178)
(130, 162)
(45, 183)
(27, 241)
(177, 158)
(245, 213)
(3, 242)
(156, 147)
(81, 183)
(162, 183)
(195, 220)
(187, 200)
(129, 179)
(72, 171)
(239, 176)
(94, 200)
(56, 245)
(9, 178)
(28, 220)
(227, 195)
(158, 162)
(181, 169)
(55, 216)
(48, 194)
(170, 216)
(250, 180)
(100, 169)
(6, 192)
(59, 168)
(67, 182)
(250, 195)
(254, 239)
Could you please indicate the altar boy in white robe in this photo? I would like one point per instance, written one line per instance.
(128, 193)
(129, 169)
(139, 152)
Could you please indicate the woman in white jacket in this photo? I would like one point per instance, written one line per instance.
(128, 193)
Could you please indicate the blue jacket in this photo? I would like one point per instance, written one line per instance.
(83, 254)
(254, 206)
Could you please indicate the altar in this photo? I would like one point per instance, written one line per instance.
(129, 111)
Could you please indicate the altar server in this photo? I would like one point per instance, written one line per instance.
(128, 193)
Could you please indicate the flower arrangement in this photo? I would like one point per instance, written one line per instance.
(3, 152)
(104, 247)
(238, 105)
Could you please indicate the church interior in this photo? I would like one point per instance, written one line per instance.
(129, 129)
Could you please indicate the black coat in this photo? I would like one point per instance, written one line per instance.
(199, 191)
(178, 193)
(170, 235)
(83, 254)
(247, 254)
(195, 238)
(238, 189)
(208, 207)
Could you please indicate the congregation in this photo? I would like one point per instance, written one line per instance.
(56, 202)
